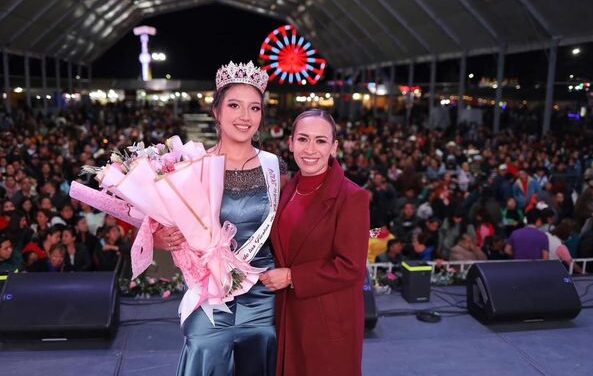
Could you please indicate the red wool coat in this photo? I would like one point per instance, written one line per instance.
(320, 322)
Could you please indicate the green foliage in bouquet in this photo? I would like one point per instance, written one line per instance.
(145, 286)
(238, 278)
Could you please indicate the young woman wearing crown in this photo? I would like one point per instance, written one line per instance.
(243, 339)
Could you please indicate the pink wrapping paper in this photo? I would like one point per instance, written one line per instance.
(189, 198)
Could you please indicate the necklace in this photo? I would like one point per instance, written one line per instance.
(296, 189)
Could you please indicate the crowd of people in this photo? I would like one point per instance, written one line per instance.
(41, 227)
(457, 194)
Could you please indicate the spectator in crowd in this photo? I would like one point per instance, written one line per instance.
(29, 209)
(67, 215)
(404, 225)
(567, 232)
(420, 249)
(466, 250)
(114, 247)
(378, 243)
(558, 250)
(91, 243)
(42, 221)
(394, 253)
(431, 231)
(494, 248)
(585, 248)
(77, 258)
(465, 177)
(529, 243)
(484, 227)
(53, 263)
(502, 185)
(25, 191)
(451, 229)
(58, 199)
(10, 186)
(562, 206)
(382, 200)
(541, 178)
(584, 206)
(10, 260)
(512, 217)
(524, 189)
(7, 210)
(18, 231)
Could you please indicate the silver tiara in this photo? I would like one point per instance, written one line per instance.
(242, 74)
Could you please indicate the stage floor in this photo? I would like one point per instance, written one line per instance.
(148, 343)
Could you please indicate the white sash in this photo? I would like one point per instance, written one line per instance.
(271, 168)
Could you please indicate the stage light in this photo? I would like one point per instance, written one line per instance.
(168, 76)
(471, 75)
(18, 89)
(576, 51)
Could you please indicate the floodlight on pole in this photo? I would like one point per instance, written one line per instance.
(158, 56)
(144, 32)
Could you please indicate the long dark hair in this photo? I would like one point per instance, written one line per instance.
(218, 98)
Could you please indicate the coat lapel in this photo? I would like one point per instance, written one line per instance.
(318, 210)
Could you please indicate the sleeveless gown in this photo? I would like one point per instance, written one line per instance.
(243, 343)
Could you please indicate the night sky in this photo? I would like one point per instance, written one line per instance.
(198, 40)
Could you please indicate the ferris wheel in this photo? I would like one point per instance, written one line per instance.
(290, 57)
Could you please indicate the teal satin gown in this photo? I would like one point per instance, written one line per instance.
(243, 343)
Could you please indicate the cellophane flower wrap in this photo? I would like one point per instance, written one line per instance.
(178, 185)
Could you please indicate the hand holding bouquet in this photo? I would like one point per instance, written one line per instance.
(175, 185)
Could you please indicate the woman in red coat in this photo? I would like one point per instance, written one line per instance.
(320, 240)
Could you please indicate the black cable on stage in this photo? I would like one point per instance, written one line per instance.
(448, 292)
(452, 304)
(586, 290)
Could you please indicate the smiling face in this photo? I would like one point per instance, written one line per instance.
(239, 113)
(312, 145)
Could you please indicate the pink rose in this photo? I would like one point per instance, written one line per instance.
(391, 277)
(166, 294)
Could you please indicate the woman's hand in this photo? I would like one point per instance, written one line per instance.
(276, 279)
(168, 238)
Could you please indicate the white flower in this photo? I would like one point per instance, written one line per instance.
(116, 158)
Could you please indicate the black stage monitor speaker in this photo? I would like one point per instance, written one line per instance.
(416, 281)
(59, 305)
(370, 306)
(521, 291)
